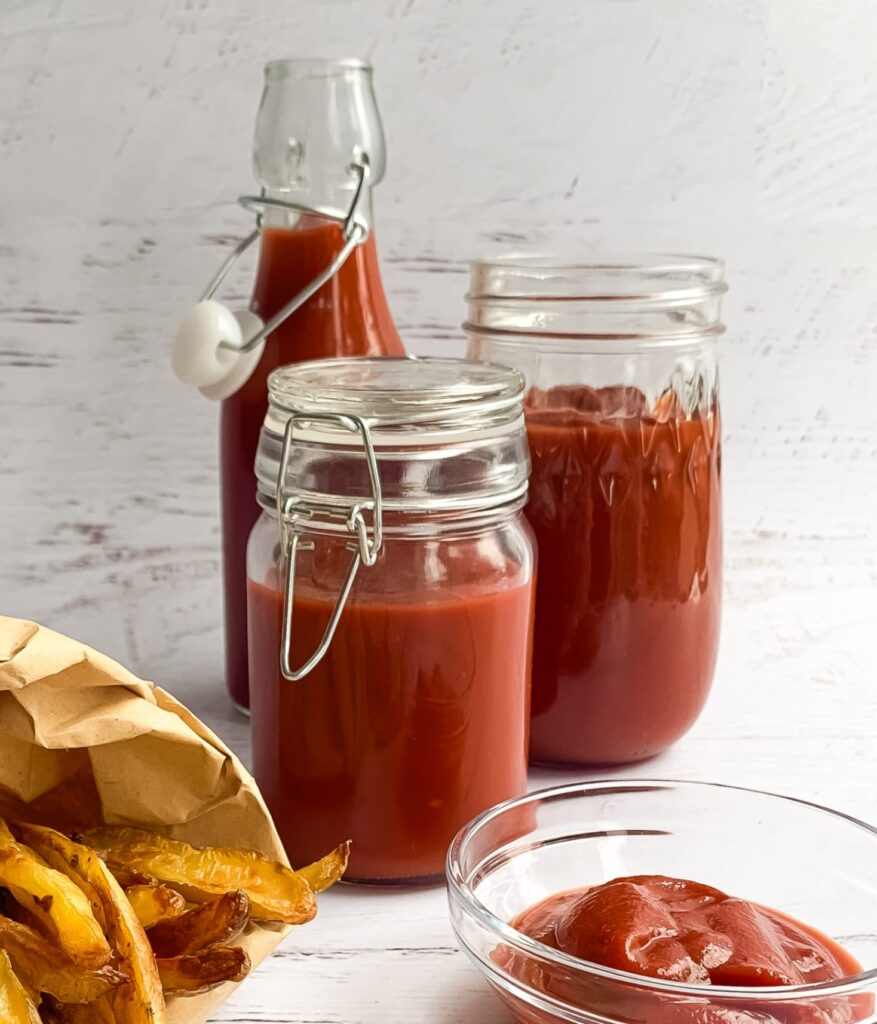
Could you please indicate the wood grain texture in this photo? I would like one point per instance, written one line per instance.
(742, 129)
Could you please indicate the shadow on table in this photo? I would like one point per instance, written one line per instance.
(464, 1004)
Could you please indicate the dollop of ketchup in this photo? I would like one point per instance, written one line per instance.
(684, 931)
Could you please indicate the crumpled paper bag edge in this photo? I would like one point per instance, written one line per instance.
(44, 662)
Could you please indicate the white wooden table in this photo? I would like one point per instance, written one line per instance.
(744, 130)
(794, 710)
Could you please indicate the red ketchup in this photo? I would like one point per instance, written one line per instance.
(348, 316)
(415, 721)
(625, 504)
(682, 932)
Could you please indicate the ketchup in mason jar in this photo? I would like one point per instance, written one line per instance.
(412, 716)
(625, 494)
(315, 117)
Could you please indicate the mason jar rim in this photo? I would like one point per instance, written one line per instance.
(613, 303)
(642, 278)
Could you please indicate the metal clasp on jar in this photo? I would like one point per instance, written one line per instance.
(289, 514)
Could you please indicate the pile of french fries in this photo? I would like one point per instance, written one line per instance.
(97, 928)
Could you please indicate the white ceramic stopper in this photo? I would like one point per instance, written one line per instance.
(239, 374)
(201, 356)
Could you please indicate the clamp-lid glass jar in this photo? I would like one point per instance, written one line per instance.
(625, 501)
(390, 606)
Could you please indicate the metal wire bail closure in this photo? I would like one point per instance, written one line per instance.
(354, 231)
(365, 550)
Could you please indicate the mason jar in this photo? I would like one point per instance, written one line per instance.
(390, 607)
(622, 411)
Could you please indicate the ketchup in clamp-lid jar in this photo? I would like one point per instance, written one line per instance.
(390, 601)
(625, 498)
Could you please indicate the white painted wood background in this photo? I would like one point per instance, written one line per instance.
(741, 128)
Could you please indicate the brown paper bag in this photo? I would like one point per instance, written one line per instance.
(83, 740)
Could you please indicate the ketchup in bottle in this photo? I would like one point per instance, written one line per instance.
(315, 119)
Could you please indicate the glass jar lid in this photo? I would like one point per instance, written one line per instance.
(399, 393)
(446, 434)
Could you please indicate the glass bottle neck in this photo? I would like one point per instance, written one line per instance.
(326, 196)
(317, 121)
(317, 126)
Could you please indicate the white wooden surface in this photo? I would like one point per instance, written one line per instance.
(745, 129)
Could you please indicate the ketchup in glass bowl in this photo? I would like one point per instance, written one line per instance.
(623, 425)
(669, 903)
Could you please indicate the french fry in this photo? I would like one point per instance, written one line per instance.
(56, 901)
(155, 904)
(140, 1001)
(215, 923)
(276, 892)
(328, 870)
(186, 951)
(16, 1006)
(44, 967)
(198, 972)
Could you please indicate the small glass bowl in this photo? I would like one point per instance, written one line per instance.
(817, 865)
